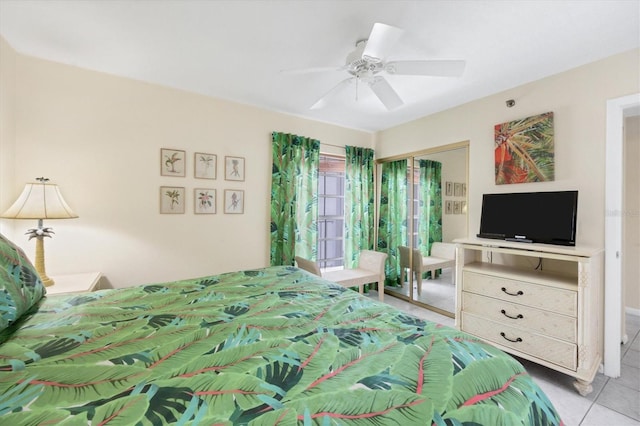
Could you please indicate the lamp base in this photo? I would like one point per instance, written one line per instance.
(48, 282)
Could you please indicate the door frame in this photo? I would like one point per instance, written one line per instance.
(613, 229)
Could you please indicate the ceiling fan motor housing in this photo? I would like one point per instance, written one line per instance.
(361, 66)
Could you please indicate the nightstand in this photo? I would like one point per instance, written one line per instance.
(75, 283)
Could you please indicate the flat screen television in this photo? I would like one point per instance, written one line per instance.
(531, 217)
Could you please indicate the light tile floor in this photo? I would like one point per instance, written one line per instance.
(439, 292)
(613, 402)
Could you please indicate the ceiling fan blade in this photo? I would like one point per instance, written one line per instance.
(382, 39)
(385, 93)
(443, 68)
(324, 100)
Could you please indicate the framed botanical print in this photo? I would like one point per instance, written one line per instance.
(172, 162)
(234, 168)
(205, 165)
(205, 200)
(233, 201)
(172, 200)
(457, 189)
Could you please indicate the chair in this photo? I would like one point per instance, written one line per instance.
(308, 265)
(370, 270)
(404, 263)
(442, 256)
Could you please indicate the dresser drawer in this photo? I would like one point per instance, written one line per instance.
(549, 298)
(520, 316)
(552, 350)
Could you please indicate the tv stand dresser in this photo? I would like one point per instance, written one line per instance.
(540, 302)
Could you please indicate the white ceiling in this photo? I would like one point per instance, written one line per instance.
(236, 50)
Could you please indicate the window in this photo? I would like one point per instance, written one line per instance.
(331, 182)
(415, 241)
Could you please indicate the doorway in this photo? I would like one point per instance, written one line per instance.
(617, 110)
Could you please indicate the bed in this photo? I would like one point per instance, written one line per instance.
(273, 346)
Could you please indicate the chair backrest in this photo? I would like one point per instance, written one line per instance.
(417, 261)
(443, 250)
(404, 256)
(372, 261)
(308, 265)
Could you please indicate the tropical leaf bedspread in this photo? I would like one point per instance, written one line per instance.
(275, 346)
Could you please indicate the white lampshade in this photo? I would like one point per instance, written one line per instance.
(40, 201)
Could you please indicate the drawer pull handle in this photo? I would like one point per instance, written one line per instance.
(504, 336)
(519, 316)
(519, 293)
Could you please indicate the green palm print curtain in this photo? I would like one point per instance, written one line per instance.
(430, 205)
(294, 198)
(392, 226)
(359, 203)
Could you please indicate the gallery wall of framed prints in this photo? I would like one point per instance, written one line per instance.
(455, 196)
(174, 199)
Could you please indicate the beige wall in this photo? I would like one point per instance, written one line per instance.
(631, 218)
(99, 137)
(577, 98)
(7, 125)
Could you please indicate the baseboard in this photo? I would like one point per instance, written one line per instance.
(632, 311)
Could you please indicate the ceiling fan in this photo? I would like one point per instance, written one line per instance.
(368, 63)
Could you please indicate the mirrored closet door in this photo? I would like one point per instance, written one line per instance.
(423, 200)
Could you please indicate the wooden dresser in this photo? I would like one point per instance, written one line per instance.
(537, 301)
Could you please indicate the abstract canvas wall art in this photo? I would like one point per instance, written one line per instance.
(524, 150)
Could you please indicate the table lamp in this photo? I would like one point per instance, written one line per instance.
(40, 200)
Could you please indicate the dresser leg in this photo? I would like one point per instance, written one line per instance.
(583, 387)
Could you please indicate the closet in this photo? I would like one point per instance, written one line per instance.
(422, 198)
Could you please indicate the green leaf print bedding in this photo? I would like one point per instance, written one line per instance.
(275, 346)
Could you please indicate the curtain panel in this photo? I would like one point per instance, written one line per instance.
(359, 203)
(294, 201)
(392, 225)
(430, 205)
